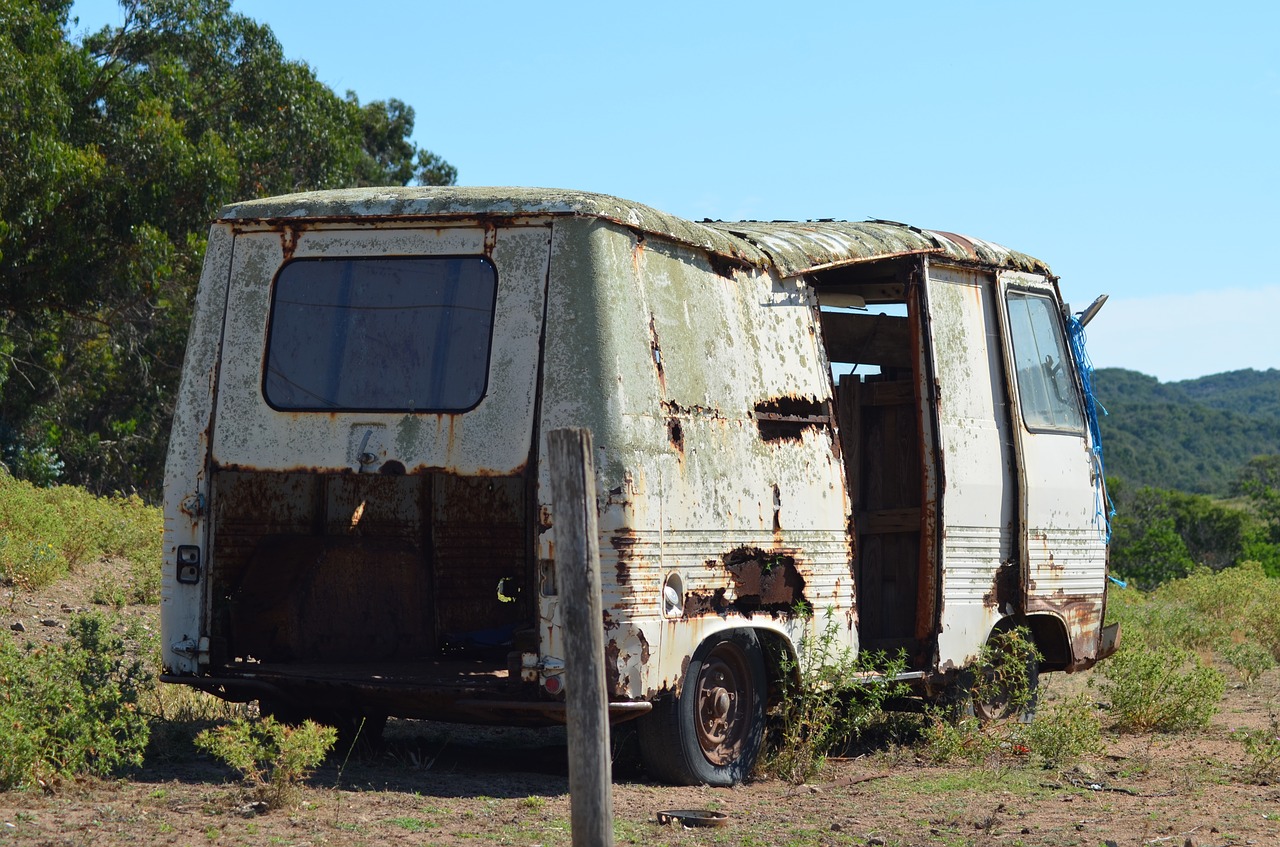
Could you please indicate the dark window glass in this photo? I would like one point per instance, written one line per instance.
(1046, 389)
(381, 334)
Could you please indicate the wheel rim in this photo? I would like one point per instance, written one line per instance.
(724, 704)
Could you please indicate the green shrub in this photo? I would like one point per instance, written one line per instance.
(1159, 689)
(272, 757)
(830, 698)
(1208, 609)
(1249, 658)
(949, 738)
(1262, 747)
(1065, 732)
(72, 708)
(1000, 732)
(46, 532)
(999, 684)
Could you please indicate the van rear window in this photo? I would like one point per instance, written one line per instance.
(397, 334)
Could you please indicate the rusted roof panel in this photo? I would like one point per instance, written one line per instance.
(793, 248)
(797, 248)
(461, 202)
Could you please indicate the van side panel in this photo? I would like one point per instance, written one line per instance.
(186, 485)
(978, 503)
(718, 460)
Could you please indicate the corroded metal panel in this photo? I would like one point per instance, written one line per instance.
(186, 489)
(716, 452)
(798, 248)
(491, 439)
(977, 506)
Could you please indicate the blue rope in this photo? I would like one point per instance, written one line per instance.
(1105, 509)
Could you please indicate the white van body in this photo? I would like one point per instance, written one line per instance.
(358, 516)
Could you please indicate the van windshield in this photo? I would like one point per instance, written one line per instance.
(380, 334)
(1046, 391)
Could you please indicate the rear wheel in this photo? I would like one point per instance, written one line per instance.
(1006, 686)
(711, 733)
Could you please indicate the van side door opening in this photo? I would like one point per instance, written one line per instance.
(881, 414)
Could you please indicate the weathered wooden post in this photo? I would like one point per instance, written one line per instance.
(573, 493)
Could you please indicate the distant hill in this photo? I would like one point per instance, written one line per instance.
(1192, 435)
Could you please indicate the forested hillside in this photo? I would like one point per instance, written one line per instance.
(1195, 435)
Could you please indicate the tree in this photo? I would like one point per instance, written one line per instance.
(114, 154)
(1159, 535)
(1260, 472)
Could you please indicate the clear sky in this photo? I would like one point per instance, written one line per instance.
(1133, 146)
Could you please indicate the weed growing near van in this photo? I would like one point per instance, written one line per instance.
(998, 732)
(1063, 733)
(46, 532)
(831, 698)
(70, 709)
(1163, 688)
(273, 758)
(999, 682)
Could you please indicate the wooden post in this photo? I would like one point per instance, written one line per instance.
(573, 494)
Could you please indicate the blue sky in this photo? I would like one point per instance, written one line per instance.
(1133, 146)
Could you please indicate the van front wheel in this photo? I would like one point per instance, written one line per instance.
(711, 733)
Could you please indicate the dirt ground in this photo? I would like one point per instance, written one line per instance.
(441, 784)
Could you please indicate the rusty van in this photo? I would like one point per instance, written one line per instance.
(884, 425)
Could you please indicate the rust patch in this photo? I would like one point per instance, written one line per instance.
(764, 581)
(1005, 594)
(675, 432)
(786, 418)
(288, 241)
(612, 679)
(1081, 616)
(698, 603)
(724, 266)
(673, 409)
(624, 543)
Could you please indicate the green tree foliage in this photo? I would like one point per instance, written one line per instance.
(1160, 534)
(1192, 435)
(1261, 471)
(1260, 483)
(115, 151)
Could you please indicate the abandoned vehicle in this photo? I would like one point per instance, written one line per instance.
(867, 426)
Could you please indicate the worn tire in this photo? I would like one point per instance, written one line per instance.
(999, 708)
(712, 732)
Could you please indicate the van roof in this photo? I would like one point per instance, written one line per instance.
(792, 247)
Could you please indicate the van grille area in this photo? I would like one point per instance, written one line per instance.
(342, 576)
